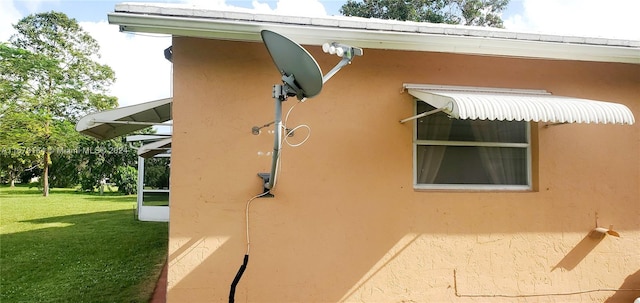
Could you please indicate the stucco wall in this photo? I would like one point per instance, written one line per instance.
(346, 223)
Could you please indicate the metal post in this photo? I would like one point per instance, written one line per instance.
(277, 143)
(140, 184)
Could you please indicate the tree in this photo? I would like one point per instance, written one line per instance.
(157, 172)
(467, 12)
(91, 161)
(68, 84)
(17, 145)
(126, 178)
(481, 12)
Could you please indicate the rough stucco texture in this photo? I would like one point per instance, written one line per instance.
(346, 223)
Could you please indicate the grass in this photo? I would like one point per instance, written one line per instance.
(156, 199)
(76, 247)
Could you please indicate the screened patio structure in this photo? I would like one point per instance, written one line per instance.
(121, 121)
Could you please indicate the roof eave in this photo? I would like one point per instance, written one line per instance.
(248, 30)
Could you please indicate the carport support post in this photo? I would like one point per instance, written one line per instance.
(140, 185)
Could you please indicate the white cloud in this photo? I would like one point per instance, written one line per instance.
(591, 18)
(308, 8)
(144, 75)
(142, 72)
(34, 5)
(9, 15)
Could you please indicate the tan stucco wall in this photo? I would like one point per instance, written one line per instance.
(346, 223)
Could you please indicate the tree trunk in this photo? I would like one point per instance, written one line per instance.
(12, 176)
(45, 175)
(45, 167)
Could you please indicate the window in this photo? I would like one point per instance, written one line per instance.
(470, 154)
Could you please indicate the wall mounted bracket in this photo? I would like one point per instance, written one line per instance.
(265, 181)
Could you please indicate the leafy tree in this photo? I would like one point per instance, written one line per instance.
(405, 10)
(467, 12)
(156, 172)
(18, 150)
(99, 160)
(12, 166)
(65, 83)
(91, 161)
(480, 12)
(126, 178)
(17, 67)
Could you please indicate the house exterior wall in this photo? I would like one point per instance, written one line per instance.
(346, 224)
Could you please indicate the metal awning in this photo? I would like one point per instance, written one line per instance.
(121, 121)
(155, 148)
(515, 104)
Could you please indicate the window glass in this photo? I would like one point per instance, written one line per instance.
(468, 130)
(470, 152)
(471, 165)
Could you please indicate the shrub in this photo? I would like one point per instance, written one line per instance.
(126, 178)
(88, 182)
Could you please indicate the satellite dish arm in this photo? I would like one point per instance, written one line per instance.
(345, 51)
(344, 62)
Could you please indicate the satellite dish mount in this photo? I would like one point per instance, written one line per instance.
(301, 78)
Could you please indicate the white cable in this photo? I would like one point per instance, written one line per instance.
(294, 129)
(286, 117)
(247, 217)
(286, 132)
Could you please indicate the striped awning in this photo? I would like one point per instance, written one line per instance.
(520, 105)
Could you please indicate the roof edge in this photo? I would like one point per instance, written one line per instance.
(365, 33)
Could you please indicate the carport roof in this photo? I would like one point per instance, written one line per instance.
(152, 149)
(121, 121)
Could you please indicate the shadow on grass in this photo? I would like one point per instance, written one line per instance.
(94, 257)
(114, 198)
(20, 191)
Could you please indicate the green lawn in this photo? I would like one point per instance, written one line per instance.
(76, 247)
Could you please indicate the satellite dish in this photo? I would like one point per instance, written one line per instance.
(301, 77)
(298, 68)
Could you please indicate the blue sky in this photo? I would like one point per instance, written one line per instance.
(143, 76)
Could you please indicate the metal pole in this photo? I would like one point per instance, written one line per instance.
(423, 114)
(132, 122)
(277, 143)
(140, 190)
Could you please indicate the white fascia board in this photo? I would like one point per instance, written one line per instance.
(136, 138)
(247, 30)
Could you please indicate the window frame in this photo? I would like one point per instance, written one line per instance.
(470, 187)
